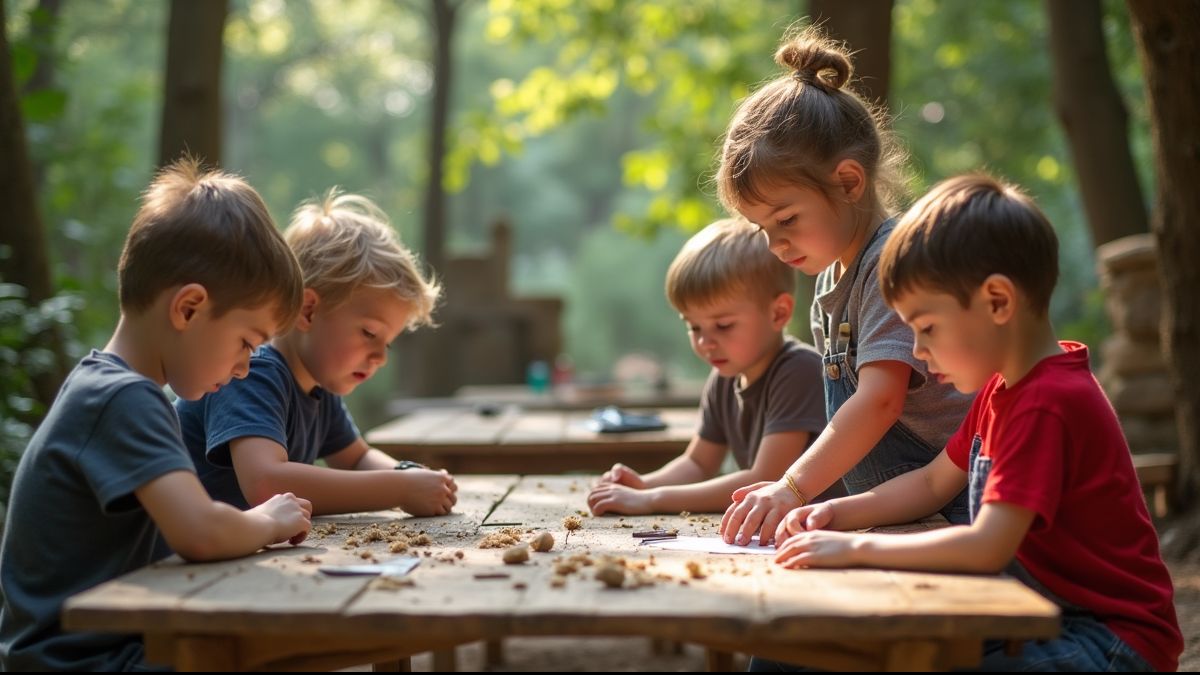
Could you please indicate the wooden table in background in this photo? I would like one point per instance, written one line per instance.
(274, 610)
(523, 441)
(679, 394)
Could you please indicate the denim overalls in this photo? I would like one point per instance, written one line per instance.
(900, 450)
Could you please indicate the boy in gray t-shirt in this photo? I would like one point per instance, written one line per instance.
(763, 400)
(203, 276)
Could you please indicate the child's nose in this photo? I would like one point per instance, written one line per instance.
(379, 356)
(919, 351)
(242, 369)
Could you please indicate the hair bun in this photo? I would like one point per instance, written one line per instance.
(815, 59)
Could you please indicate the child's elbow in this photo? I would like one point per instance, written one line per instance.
(198, 544)
(195, 550)
(888, 405)
(260, 489)
(989, 557)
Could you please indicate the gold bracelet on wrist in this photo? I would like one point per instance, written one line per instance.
(792, 484)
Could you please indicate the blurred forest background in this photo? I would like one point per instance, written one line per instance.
(591, 126)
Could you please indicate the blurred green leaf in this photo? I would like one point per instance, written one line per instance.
(43, 105)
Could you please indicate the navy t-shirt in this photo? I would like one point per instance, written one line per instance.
(73, 520)
(268, 403)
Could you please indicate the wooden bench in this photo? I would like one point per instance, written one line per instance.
(1156, 473)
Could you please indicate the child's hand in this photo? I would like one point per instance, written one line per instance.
(803, 519)
(819, 549)
(623, 475)
(613, 498)
(761, 506)
(291, 515)
(428, 492)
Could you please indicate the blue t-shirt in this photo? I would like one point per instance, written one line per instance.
(73, 519)
(268, 403)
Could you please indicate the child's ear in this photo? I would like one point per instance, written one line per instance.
(308, 310)
(850, 176)
(185, 304)
(1000, 294)
(781, 310)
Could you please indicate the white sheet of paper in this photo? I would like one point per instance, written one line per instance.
(393, 567)
(711, 545)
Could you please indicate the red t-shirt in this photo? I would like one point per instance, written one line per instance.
(1057, 449)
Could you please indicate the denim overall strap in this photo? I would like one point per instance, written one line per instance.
(900, 450)
(981, 468)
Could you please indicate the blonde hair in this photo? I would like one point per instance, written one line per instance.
(345, 242)
(727, 258)
(797, 127)
(213, 229)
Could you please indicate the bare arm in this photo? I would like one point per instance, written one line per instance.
(701, 460)
(854, 430)
(986, 546)
(903, 499)
(358, 456)
(198, 528)
(263, 469)
(775, 453)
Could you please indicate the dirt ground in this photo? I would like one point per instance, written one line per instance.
(634, 654)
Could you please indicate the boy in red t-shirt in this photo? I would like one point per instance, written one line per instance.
(1054, 497)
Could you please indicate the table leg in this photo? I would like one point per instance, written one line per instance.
(206, 654)
(445, 660)
(718, 661)
(403, 665)
(493, 652)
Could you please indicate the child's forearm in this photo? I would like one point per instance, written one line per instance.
(375, 460)
(854, 430)
(329, 490)
(226, 532)
(903, 499)
(951, 549)
(680, 471)
(708, 496)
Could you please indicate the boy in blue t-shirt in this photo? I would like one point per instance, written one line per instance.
(263, 434)
(204, 278)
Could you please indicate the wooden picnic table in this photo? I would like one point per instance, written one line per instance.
(516, 440)
(274, 610)
(678, 394)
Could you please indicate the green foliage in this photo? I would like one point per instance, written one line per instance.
(571, 117)
(23, 357)
(970, 91)
(689, 61)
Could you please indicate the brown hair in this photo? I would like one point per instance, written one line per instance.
(965, 229)
(797, 127)
(726, 258)
(210, 228)
(344, 242)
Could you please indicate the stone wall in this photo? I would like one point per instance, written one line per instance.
(1134, 373)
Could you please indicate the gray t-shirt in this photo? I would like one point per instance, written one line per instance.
(932, 411)
(787, 397)
(73, 519)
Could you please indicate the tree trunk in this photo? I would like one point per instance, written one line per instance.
(1094, 118)
(865, 25)
(191, 119)
(1167, 33)
(432, 359)
(25, 260)
(443, 16)
(42, 32)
